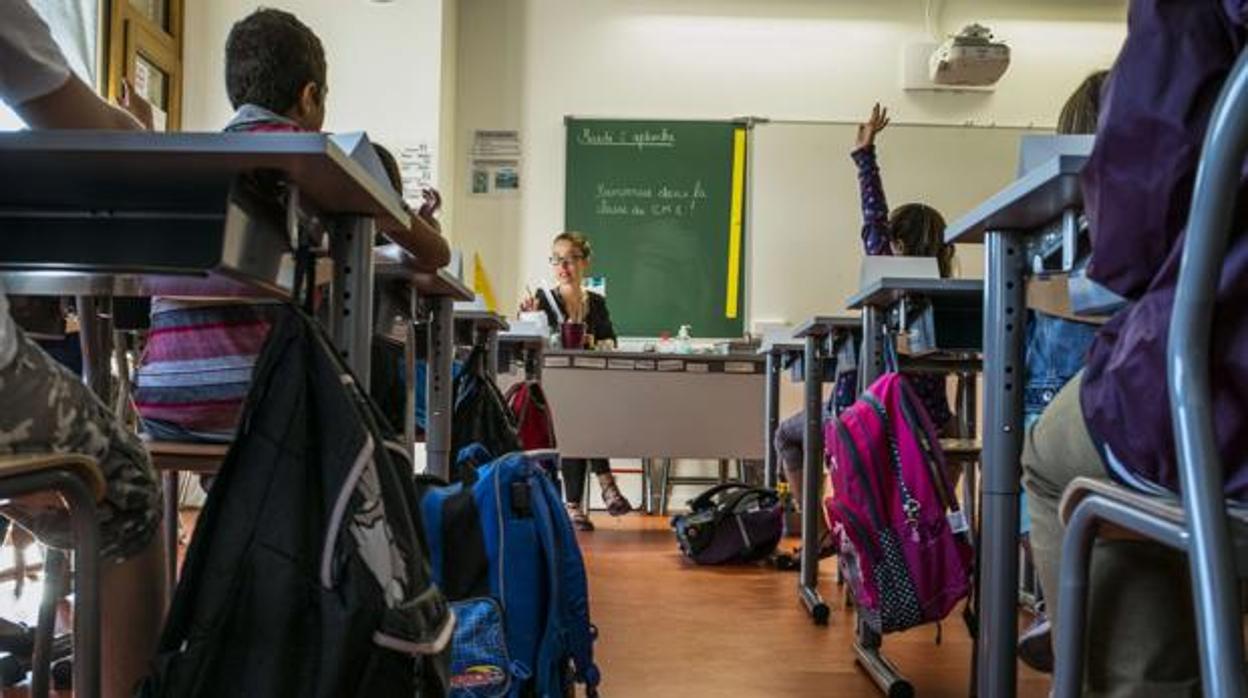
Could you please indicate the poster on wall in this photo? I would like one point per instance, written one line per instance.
(495, 162)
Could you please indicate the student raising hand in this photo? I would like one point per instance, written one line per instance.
(430, 206)
(878, 122)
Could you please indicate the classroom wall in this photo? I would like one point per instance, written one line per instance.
(526, 64)
(384, 59)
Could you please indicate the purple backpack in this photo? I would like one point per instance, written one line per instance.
(893, 511)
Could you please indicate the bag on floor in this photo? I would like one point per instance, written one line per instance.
(481, 414)
(730, 522)
(903, 545)
(535, 425)
(503, 550)
(306, 575)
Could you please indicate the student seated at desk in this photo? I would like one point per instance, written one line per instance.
(915, 230)
(571, 302)
(46, 408)
(196, 369)
(1113, 420)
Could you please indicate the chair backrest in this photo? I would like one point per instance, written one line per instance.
(1187, 372)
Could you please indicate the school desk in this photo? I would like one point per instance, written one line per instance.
(645, 405)
(190, 214)
(526, 347)
(480, 328)
(435, 294)
(818, 336)
(1044, 201)
(889, 307)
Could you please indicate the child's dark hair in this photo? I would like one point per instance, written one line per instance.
(919, 230)
(391, 166)
(578, 241)
(269, 56)
(1083, 107)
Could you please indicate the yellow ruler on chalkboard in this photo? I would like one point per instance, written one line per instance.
(733, 301)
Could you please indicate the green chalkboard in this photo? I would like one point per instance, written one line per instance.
(656, 199)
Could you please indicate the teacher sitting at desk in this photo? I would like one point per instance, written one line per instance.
(584, 322)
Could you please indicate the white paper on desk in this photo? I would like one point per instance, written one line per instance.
(697, 367)
(621, 364)
(558, 361)
(671, 365)
(644, 365)
(738, 367)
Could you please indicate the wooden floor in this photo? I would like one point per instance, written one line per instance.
(669, 628)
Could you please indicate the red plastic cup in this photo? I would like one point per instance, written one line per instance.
(572, 335)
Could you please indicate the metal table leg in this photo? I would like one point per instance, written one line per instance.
(1003, 361)
(439, 387)
(533, 363)
(409, 363)
(812, 445)
(771, 421)
(95, 336)
(489, 339)
(871, 363)
(351, 247)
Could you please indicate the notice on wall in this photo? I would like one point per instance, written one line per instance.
(494, 159)
(416, 166)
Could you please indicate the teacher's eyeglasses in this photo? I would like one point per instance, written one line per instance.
(557, 261)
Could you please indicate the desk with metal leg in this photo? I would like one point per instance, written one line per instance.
(774, 352)
(817, 335)
(433, 296)
(528, 347)
(480, 327)
(1046, 199)
(884, 317)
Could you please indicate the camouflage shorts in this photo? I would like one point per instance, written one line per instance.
(47, 408)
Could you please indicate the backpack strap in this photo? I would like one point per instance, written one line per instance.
(704, 500)
(569, 631)
(931, 447)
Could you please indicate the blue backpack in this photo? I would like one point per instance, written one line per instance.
(503, 551)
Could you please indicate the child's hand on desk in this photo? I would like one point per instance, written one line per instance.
(867, 131)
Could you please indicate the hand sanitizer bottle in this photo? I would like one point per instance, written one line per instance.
(684, 342)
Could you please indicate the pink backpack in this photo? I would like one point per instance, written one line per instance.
(892, 508)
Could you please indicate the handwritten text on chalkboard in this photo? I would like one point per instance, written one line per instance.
(648, 138)
(648, 200)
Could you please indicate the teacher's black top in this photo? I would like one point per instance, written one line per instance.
(597, 317)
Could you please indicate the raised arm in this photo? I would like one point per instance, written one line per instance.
(875, 238)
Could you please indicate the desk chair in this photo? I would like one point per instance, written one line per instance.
(171, 458)
(1200, 523)
(77, 479)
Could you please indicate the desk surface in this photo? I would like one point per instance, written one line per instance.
(523, 338)
(391, 263)
(887, 291)
(823, 325)
(1033, 200)
(117, 170)
(482, 319)
(781, 346)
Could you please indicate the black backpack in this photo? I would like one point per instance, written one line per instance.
(306, 575)
(481, 413)
(731, 522)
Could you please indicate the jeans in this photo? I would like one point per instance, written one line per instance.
(1056, 350)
